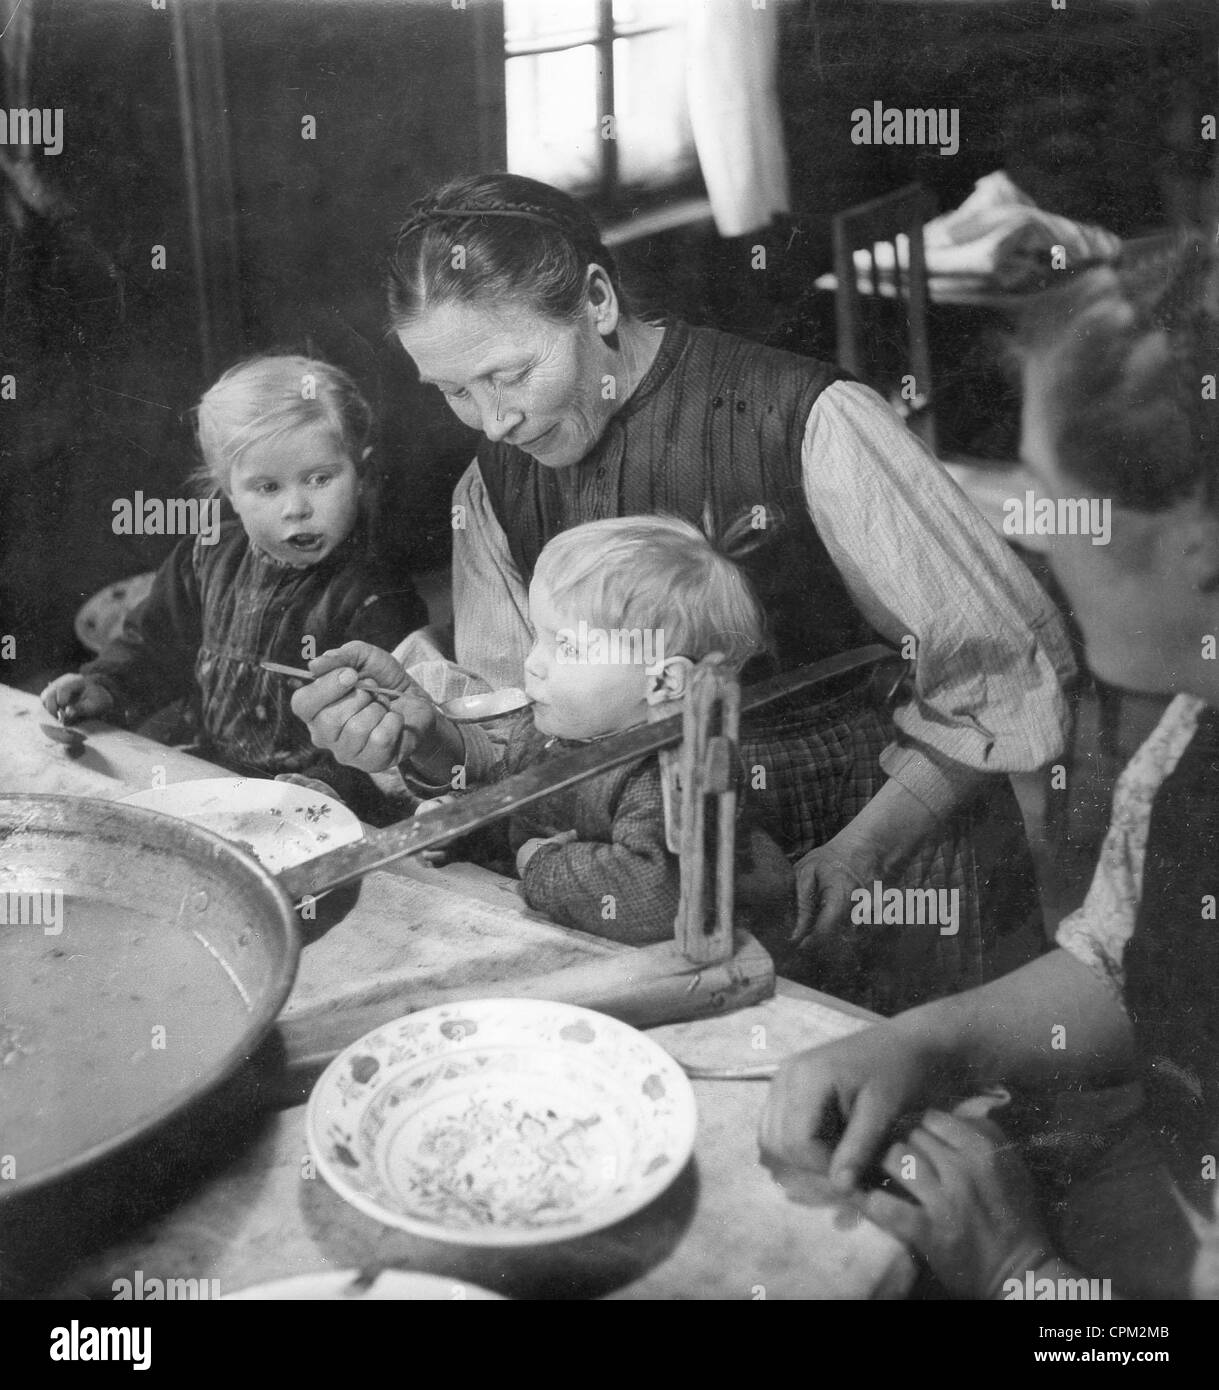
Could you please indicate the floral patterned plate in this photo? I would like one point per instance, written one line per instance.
(280, 823)
(502, 1122)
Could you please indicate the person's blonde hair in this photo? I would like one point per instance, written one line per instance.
(265, 397)
(658, 573)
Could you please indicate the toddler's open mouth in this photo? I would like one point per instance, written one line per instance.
(306, 541)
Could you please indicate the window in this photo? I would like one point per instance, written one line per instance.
(596, 99)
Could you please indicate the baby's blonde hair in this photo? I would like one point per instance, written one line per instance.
(265, 397)
(658, 573)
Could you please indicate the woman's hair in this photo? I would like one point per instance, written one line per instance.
(658, 573)
(1125, 350)
(263, 398)
(500, 239)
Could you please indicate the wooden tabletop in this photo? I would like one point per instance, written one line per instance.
(257, 1211)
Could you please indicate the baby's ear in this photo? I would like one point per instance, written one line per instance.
(669, 679)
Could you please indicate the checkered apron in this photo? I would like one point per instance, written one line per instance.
(811, 769)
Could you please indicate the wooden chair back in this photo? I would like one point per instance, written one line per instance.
(882, 308)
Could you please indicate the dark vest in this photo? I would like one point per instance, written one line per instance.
(1172, 960)
(715, 419)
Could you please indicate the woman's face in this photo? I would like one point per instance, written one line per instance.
(1142, 599)
(535, 383)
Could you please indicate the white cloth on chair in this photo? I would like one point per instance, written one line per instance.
(997, 239)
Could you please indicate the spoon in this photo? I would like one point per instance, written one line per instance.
(759, 1071)
(462, 709)
(72, 739)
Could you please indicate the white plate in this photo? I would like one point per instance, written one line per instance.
(347, 1284)
(502, 1122)
(279, 823)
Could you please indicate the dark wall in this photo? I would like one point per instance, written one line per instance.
(1093, 110)
(396, 93)
(107, 350)
(103, 346)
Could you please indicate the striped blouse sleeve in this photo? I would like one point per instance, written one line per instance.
(490, 599)
(921, 562)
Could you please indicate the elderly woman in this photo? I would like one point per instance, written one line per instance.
(506, 299)
(1115, 408)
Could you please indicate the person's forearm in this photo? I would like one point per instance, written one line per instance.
(606, 890)
(433, 758)
(1051, 1022)
(895, 823)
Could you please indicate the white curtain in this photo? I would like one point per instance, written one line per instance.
(732, 84)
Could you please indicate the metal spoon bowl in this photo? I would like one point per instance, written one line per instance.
(485, 708)
(70, 738)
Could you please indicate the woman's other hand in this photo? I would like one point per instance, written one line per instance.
(355, 726)
(72, 698)
(975, 1218)
(830, 1109)
(832, 950)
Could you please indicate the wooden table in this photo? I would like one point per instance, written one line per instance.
(724, 1230)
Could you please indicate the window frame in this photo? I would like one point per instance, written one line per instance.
(609, 199)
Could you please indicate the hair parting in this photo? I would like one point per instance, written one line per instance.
(521, 242)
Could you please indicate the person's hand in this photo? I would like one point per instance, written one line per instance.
(72, 698)
(831, 948)
(352, 724)
(974, 1218)
(531, 847)
(832, 1108)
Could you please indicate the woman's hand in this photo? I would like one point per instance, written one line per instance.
(831, 948)
(352, 724)
(976, 1220)
(72, 698)
(830, 1109)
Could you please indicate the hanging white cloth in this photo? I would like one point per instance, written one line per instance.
(732, 51)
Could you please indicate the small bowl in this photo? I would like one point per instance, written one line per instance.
(502, 1122)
